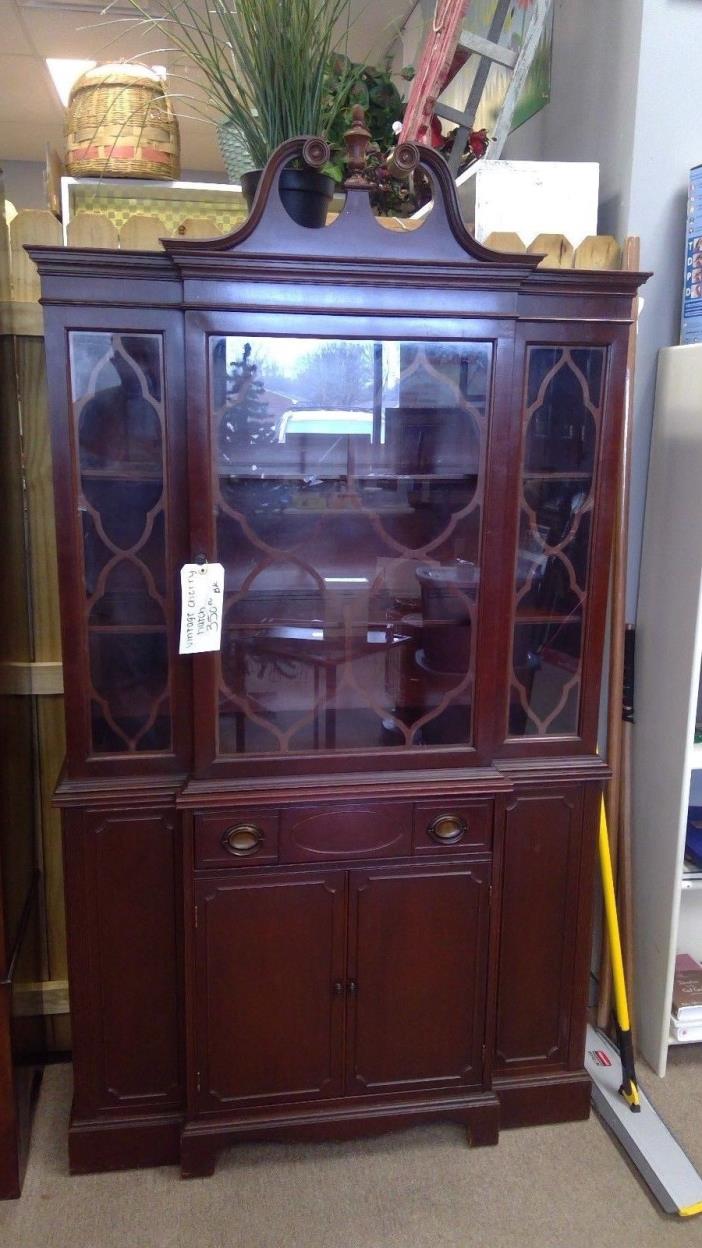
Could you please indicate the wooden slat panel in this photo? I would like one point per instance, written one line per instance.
(142, 233)
(199, 227)
(46, 997)
(598, 251)
(505, 240)
(51, 740)
(31, 373)
(556, 250)
(5, 287)
(30, 226)
(31, 679)
(396, 223)
(21, 318)
(15, 638)
(16, 715)
(92, 229)
(45, 641)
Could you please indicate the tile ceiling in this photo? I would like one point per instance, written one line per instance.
(31, 30)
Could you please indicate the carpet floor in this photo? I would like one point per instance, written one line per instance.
(564, 1186)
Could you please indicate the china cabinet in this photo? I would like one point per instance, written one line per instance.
(336, 876)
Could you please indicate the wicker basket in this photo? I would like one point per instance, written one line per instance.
(120, 124)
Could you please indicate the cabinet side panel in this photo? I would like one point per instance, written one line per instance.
(539, 915)
(123, 917)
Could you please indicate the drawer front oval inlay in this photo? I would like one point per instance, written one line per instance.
(310, 833)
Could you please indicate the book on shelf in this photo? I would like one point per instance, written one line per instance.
(691, 870)
(693, 836)
(687, 990)
(685, 1033)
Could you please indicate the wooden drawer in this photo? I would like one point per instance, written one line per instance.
(236, 839)
(351, 830)
(447, 825)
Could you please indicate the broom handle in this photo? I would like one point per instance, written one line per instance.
(629, 1086)
(630, 261)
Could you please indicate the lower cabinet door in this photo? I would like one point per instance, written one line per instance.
(270, 987)
(545, 936)
(417, 972)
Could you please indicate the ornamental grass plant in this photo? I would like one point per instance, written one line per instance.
(263, 64)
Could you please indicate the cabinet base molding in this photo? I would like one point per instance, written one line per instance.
(543, 1100)
(201, 1141)
(127, 1144)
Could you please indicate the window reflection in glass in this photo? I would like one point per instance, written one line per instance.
(349, 481)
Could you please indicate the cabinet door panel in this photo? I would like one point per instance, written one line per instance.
(122, 916)
(539, 924)
(270, 966)
(418, 940)
(348, 517)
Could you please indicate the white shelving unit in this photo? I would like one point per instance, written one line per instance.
(667, 765)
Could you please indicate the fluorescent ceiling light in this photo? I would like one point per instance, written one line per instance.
(65, 72)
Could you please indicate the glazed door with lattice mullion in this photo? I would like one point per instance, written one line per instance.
(122, 531)
(568, 418)
(348, 483)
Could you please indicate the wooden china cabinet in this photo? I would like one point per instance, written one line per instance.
(335, 877)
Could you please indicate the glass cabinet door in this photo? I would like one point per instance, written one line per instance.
(117, 391)
(349, 485)
(561, 426)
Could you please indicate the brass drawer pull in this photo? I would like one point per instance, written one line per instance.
(447, 829)
(243, 839)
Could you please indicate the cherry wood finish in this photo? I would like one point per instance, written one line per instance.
(337, 878)
(416, 1015)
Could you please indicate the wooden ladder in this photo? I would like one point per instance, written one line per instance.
(465, 43)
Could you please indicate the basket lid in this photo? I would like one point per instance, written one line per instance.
(118, 75)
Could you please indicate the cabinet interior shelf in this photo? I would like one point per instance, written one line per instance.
(127, 628)
(138, 475)
(359, 478)
(546, 617)
(557, 474)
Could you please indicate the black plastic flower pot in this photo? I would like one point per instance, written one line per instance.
(306, 194)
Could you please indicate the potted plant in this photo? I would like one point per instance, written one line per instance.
(263, 66)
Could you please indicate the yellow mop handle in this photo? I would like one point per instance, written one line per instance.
(629, 1088)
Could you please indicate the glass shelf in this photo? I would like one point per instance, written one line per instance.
(119, 472)
(556, 474)
(127, 628)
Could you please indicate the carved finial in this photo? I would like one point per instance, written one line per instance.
(357, 139)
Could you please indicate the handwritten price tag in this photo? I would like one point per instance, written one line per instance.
(202, 588)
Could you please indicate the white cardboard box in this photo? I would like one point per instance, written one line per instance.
(531, 197)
